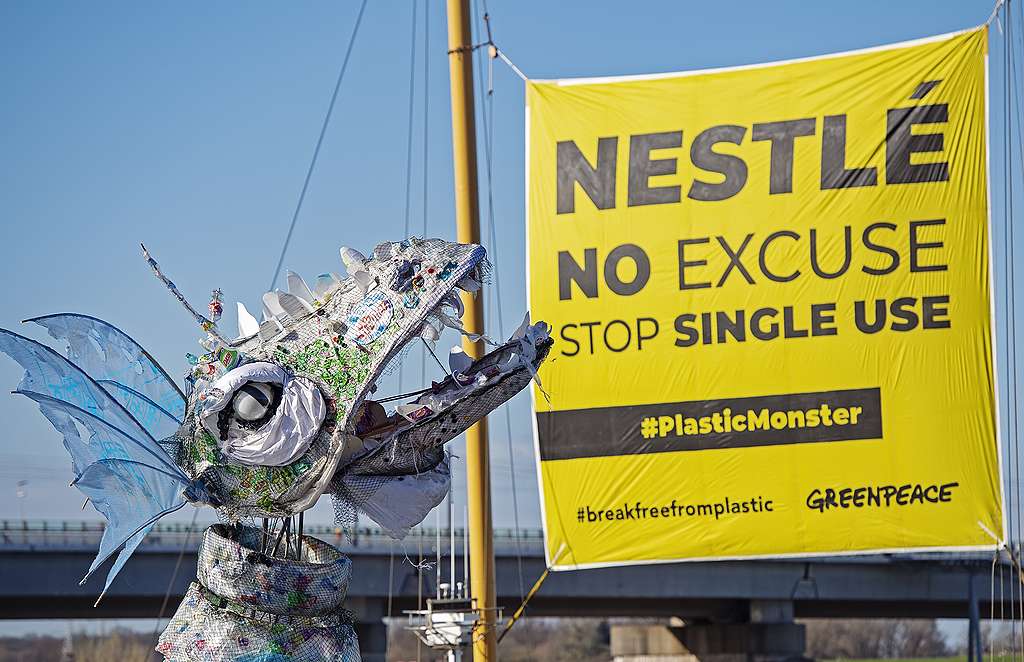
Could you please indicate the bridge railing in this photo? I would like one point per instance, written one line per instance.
(84, 536)
(78, 534)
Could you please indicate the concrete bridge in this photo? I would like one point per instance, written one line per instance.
(41, 564)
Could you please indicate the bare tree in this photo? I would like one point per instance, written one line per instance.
(117, 645)
(874, 639)
(998, 638)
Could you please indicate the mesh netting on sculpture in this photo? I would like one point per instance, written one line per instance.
(245, 604)
(419, 449)
(346, 514)
(346, 497)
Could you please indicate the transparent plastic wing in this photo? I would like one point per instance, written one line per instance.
(48, 372)
(128, 483)
(128, 477)
(101, 441)
(132, 496)
(108, 354)
(159, 422)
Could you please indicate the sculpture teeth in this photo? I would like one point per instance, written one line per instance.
(294, 306)
(458, 360)
(324, 284)
(272, 303)
(270, 328)
(363, 280)
(352, 259)
(408, 411)
(452, 299)
(297, 287)
(247, 324)
(521, 331)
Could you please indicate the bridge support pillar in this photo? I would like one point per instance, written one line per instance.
(373, 641)
(770, 635)
(370, 628)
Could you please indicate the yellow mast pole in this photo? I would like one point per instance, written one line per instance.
(467, 218)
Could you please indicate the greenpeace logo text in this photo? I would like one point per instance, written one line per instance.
(879, 496)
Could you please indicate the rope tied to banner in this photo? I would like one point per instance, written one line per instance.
(994, 16)
(533, 591)
(492, 50)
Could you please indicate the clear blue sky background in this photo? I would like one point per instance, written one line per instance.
(190, 125)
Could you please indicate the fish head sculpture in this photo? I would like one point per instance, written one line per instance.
(289, 410)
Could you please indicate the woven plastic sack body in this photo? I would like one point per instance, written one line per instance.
(248, 607)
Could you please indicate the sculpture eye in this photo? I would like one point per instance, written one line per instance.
(254, 400)
(261, 414)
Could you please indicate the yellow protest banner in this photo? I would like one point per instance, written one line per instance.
(770, 294)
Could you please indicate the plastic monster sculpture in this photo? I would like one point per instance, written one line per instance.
(268, 423)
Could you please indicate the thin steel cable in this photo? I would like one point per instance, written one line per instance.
(1011, 294)
(419, 591)
(400, 396)
(1008, 371)
(1012, 422)
(423, 354)
(409, 127)
(425, 200)
(426, 145)
(391, 577)
(441, 365)
(1008, 331)
(1008, 308)
(487, 117)
(992, 600)
(408, 145)
(1009, 324)
(174, 576)
(1014, 92)
(1020, 145)
(319, 143)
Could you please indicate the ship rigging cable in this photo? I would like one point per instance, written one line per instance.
(319, 143)
(487, 117)
(408, 195)
(1010, 271)
(1008, 303)
(174, 576)
(1011, 110)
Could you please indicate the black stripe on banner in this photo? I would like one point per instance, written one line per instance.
(795, 418)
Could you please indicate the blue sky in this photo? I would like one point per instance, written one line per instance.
(190, 125)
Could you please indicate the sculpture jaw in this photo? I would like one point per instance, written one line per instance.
(441, 412)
